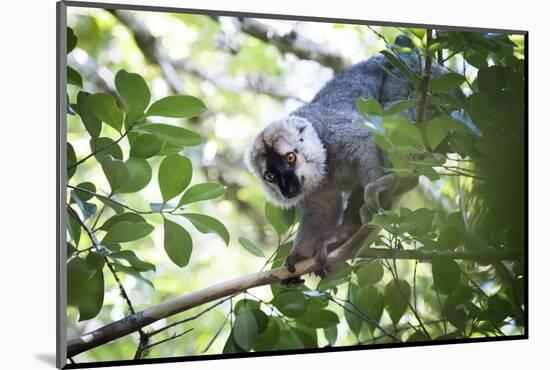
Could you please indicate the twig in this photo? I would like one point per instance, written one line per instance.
(122, 136)
(173, 336)
(424, 82)
(109, 199)
(99, 247)
(294, 43)
(363, 315)
(209, 308)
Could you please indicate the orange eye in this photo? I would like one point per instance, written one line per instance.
(290, 158)
(269, 177)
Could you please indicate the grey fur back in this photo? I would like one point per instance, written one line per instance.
(334, 115)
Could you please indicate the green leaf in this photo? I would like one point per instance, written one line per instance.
(404, 126)
(140, 174)
(87, 209)
(231, 346)
(173, 134)
(133, 260)
(74, 228)
(251, 247)
(401, 66)
(369, 106)
(117, 208)
(261, 319)
(399, 107)
(115, 171)
(175, 172)
(421, 220)
(319, 319)
(280, 219)
(73, 77)
(371, 301)
(353, 319)
(71, 161)
(177, 243)
(291, 303)
(446, 82)
(82, 195)
(446, 274)
(85, 288)
(206, 224)
(331, 334)
(449, 238)
(338, 274)
(455, 310)
(396, 297)
(104, 146)
(71, 40)
(134, 93)
(145, 146)
(245, 330)
(370, 273)
(125, 231)
(404, 41)
(269, 337)
(437, 130)
(132, 218)
(499, 309)
(70, 250)
(199, 192)
(132, 272)
(178, 106)
(104, 107)
(246, 304)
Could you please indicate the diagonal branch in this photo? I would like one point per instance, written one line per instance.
(364, 236)
(294, 43)
(156, 53)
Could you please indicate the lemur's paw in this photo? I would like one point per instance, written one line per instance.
(373, 201)
(291, 261)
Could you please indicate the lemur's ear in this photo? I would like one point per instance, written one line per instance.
(257, 148)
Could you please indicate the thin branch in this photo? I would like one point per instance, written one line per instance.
(109, 199)
(122, 136)
(294, 43)
(174, 336)
(101, 77)
(209, 308)
(424, 82)
(99, 248)
(151, 47)
(363, 316)
(155, 52)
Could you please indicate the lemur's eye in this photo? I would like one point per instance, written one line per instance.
(270, 177)
(290, 158)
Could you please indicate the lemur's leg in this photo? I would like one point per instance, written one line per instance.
(350, 222)
(380, 193)
(319, 214)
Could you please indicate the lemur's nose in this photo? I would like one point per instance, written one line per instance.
(292, 190)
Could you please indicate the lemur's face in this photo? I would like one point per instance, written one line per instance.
(280, 171)
(289, 159)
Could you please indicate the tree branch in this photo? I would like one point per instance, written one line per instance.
(294, 43)
(154, 51)
(364, 236)
(151, 47)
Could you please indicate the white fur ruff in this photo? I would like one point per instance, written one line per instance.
(291, 134)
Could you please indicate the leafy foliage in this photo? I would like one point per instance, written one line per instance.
(148, 177)
(126, 113)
